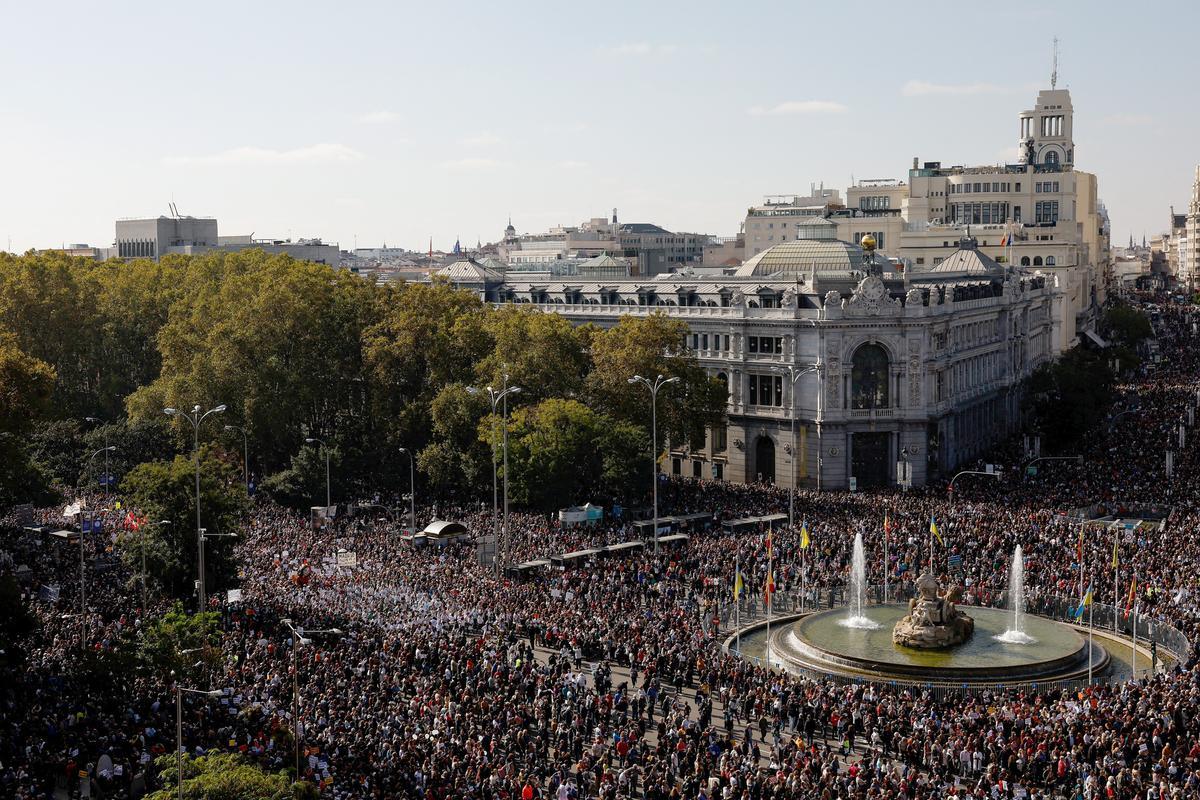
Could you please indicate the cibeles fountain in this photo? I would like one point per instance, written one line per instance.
(934, 621)
(933, 639)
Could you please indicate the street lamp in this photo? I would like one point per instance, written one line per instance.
(179, 691)
(496, 397)
(794, 375)
(245, 454)
(412, 491)
(196, 419)
(98, 421)
(315, 440)
(82, 566)
(299, 638)
(654, 386)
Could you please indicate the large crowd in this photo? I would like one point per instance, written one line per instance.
(611, 680)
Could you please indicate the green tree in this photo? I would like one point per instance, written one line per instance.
(166, 490)
(1070, 396)
(176, 642)
(542, 353)
(553, 453)
(44, 305)
(1127, 325)
(652, 346)
(227, 776)
(26, 385)
(279, 342)
(16, 623)
(562, 452)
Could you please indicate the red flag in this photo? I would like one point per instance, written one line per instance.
(769, 587)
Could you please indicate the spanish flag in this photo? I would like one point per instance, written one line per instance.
(737, 585)
(769, 587)
(1116, 558)
(804, 540)
(1080, 544)
(933, 528)
(1132, 595)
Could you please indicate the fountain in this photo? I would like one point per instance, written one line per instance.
(934, 620)
(1015, 634)
(857, 617)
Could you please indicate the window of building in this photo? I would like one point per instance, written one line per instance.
(1037, 261)
(752, 344)
(719, 435)
(1024, 261)
(869, 377)
(1049, 261)
(1018, 186)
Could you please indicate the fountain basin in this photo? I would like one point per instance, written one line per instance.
(820, 644)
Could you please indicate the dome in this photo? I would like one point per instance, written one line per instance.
(803, 257)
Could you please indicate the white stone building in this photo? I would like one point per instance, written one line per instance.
(893, 367)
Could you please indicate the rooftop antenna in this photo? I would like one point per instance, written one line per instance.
(1054, 71)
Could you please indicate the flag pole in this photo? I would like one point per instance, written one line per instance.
(1091, 616)
(885, 558)
(803, 570)
(1081, 587)
(770, 593)
(737, 612)
(1116, 575)
(1133, 657)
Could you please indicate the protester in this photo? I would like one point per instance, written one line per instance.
(611, 681)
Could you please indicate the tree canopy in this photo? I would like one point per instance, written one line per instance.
(297, 350)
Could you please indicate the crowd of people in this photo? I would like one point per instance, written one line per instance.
(436, 678)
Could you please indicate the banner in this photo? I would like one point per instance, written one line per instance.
(347, 558)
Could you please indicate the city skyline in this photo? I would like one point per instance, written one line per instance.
(390, 133)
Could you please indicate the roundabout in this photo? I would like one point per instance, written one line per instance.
(822, 644)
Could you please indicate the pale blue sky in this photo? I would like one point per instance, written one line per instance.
(396, 122)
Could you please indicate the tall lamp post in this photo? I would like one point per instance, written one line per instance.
(179, 692)
(412, 490)
(794, 375)
(654, 386)
(496, 398)
(196, 419)
(82, 563)
(299, 638)
(98, 421)
(315, 440)
(245, 454)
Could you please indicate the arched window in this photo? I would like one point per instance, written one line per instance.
(1049, 261)
(1037, 261)
(723, 378)
(1052, 157)
(1024, 261)
(869, 377)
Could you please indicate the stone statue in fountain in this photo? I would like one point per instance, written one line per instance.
(933, 621)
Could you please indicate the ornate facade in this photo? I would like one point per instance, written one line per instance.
(920, 369)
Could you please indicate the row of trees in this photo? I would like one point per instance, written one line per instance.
(297, 350)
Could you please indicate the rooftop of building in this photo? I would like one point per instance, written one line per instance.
(816, 251)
